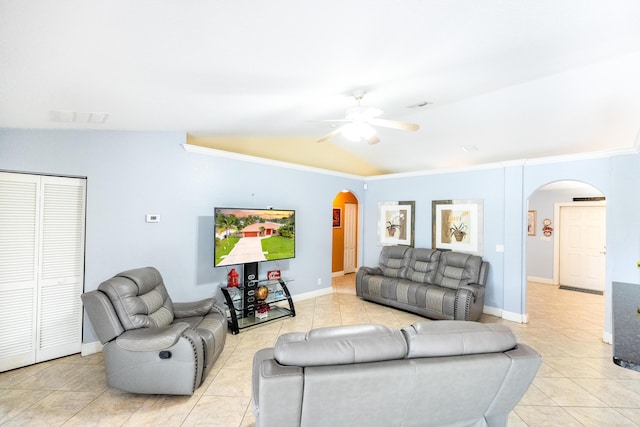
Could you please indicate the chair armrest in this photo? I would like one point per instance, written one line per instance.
(193, 309)
(152, 339)
(103, 317)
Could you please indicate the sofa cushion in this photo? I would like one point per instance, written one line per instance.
(456, 337)
(340, 345)
(393, 261)
(140, 298)
(422, 265)
(456, 269)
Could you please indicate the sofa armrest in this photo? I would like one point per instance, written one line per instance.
(277, 391)
(362, 273)
(376, 271)
(475, 289)
(525, 362)
(193, 309)
(469, 302)
(152, 339)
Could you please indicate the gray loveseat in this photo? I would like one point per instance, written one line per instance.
(151, 344)
(431, 283)
(441, 373)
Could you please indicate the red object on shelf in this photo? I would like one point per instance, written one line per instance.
(273, 275)
(232, 279)
(263, 308)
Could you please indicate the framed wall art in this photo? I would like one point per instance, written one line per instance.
(531, 223)
(337, 217)
(457, 225)
(396, 223)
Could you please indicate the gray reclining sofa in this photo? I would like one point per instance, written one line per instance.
(432, 283)
(441, 373)
(151, 344)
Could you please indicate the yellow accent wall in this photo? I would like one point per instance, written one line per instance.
(301, 151)
(337, 258)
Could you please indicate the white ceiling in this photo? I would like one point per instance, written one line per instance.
(507, 79)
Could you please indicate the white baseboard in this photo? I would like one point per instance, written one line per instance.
(342, 273)
(506, 315)
(515, 317)
(492, 311)
(544, 280)
(90, 348)
(312, 294)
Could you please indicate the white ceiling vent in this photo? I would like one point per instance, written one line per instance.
(420, 104)
(78, 117)
(469, 148)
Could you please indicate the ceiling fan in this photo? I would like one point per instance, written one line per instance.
(359, 123)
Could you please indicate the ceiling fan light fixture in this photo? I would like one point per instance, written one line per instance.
(360, 122)
(357, 131)
(363, 113)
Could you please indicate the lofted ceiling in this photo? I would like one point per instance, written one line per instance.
(502, 80)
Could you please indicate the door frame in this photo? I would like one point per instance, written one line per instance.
(353, 206)
(556, 235)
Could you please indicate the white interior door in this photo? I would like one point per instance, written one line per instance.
(42, 222)
(582, 247)
(350, 237)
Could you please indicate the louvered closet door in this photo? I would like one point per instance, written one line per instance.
(61, 272)
(41, 267)
(19, 219)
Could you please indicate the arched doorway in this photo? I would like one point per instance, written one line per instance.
(558, 213)
(345, 234)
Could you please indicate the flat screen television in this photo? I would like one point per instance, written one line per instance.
(244, 236)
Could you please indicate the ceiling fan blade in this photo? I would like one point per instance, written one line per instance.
(393, 124)
(329, 121)
(373, 140)
(330, 134)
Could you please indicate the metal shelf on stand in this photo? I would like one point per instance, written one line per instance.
(244, 310)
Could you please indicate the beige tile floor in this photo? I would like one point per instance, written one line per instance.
(577, 385)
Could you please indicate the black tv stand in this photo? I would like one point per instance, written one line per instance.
(244, 308)
(250, 272)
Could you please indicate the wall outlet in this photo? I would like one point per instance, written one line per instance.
(319, 281)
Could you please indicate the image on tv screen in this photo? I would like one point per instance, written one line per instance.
(253, 235)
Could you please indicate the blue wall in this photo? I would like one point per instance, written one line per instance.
(130, 174)
(505, 190)
(423, 189)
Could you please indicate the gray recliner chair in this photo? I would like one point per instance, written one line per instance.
(151, 344)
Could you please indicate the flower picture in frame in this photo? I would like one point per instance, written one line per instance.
(457, 225)
(396, 222)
